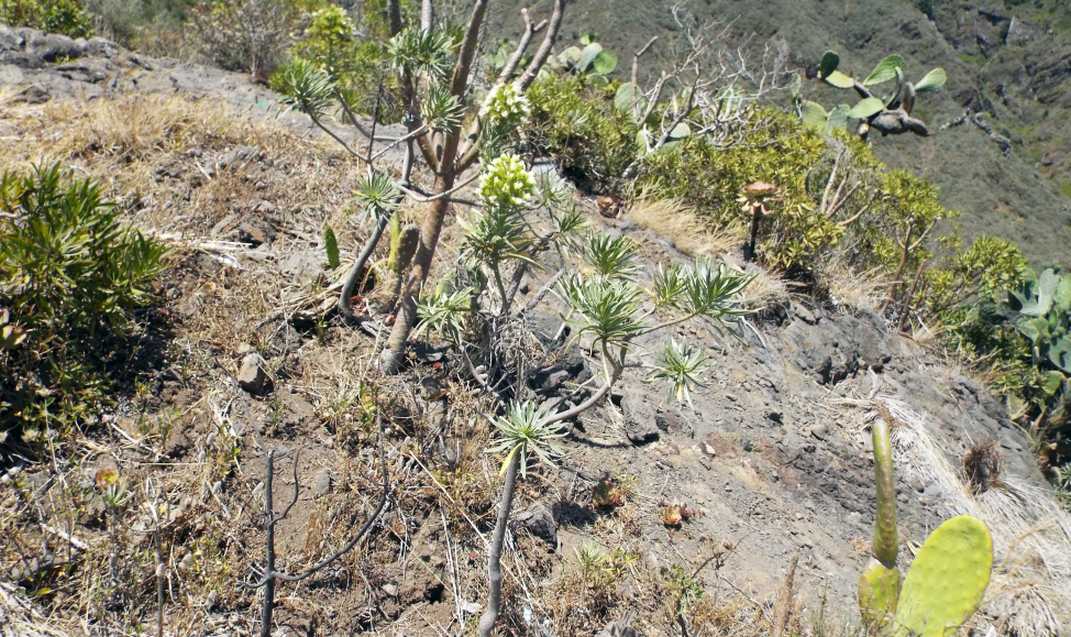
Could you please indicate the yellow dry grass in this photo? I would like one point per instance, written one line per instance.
(766, 289)
(679, 223)
(848, 285)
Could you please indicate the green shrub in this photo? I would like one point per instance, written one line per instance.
(984, 271)
(352, 52)
(907, 211)
(70, 278)
(574, 121)
(53, 16)
(776, 150)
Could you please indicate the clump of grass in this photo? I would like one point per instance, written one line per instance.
(680, 224)
(132, 128)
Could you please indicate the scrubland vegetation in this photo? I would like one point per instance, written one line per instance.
(461, 276)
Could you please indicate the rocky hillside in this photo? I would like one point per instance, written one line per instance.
(1006, 167)
(771, 459)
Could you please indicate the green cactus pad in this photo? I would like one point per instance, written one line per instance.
(879, 589)
(947, 579)
(814, 115)
(839, 80)
(886, 544)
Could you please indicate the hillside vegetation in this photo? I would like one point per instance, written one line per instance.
(1009, 64)
(411, 322)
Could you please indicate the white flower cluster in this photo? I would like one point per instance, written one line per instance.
(506, 182)
(505, 105)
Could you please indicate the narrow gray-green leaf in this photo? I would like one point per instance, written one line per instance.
(331, 248)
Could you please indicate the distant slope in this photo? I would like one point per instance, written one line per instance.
(1008, 59)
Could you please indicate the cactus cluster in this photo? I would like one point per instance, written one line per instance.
(588, 58)
(946, 581)
(889, 114)
(1040, 311)
(1044, 308)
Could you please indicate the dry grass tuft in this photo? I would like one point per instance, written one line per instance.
(847, 285)
(679, 223)
(140, 127)
(766, 289)
(982, 465)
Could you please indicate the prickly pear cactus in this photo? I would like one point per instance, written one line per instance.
(946, 581)
(879, 590)
(885, 538)
(889, 113)
(879, 585)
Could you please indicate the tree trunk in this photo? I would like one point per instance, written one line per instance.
(403, 246)
(405, 319)
(392, 356)
(494, 553)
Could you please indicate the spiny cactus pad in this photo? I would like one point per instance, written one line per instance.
(879, 589)
(886, 543)
(947, 579)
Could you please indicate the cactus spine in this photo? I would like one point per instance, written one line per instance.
(948, 577)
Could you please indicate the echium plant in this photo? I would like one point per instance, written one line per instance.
(432, 70)
(521, 220)
(504, 112)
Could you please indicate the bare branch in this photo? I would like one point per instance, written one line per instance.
(636, 59)
(543, 52)
(294, 496)
(385, 492)
(427, 15)
(522, 46)
(421, 198)
(268, 577)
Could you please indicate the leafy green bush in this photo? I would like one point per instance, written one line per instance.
(70, 278)
(353, 53)
(53, 16)
(776, 150)
(574, 121)
(985, 270)
(152, 26)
